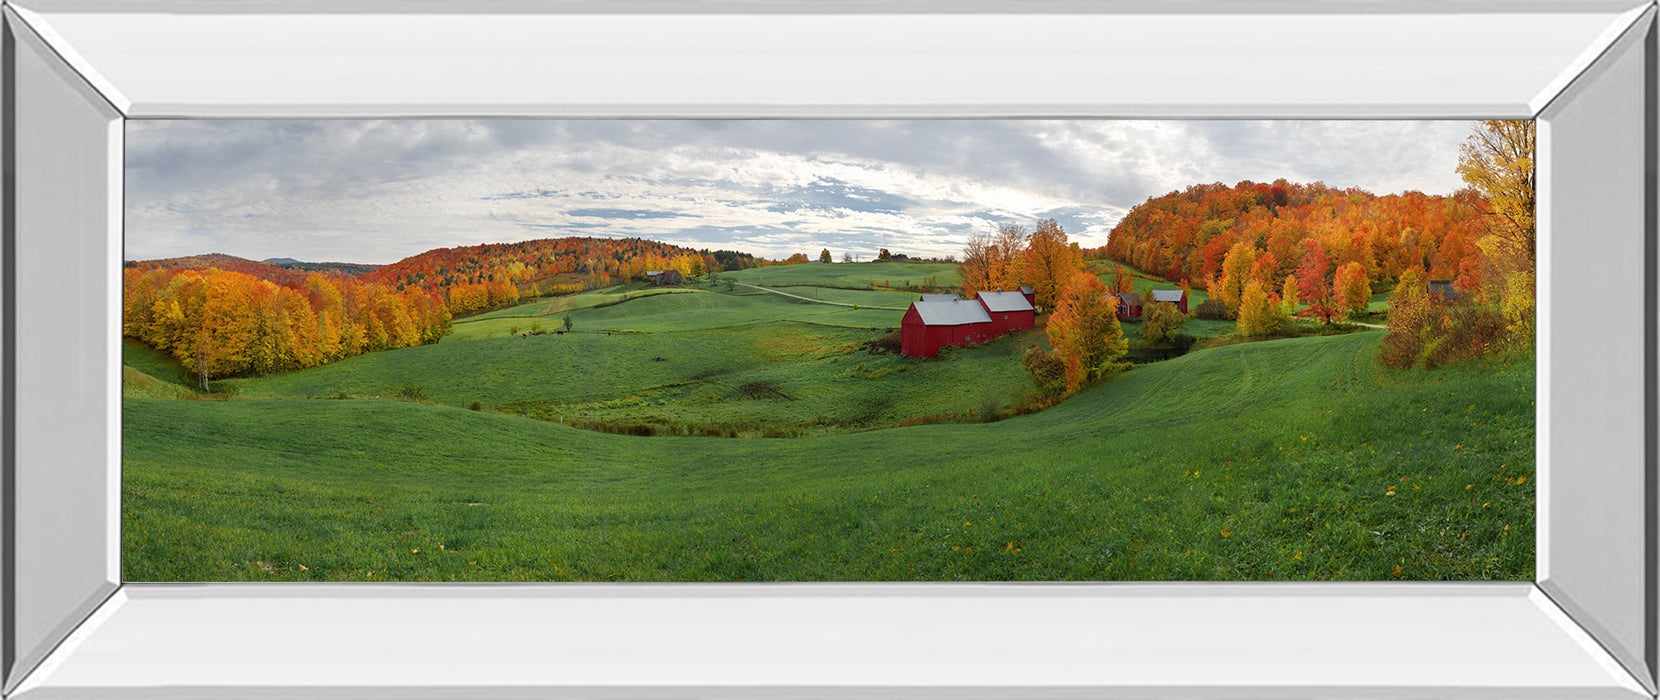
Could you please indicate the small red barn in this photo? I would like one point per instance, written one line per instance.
(1030, 294)
(1009, 311)
(931, 324)
(1173, 296)
(1129, 305)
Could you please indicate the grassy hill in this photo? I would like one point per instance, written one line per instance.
(848, 275)
(1294, 459)
(751, 378)
(680, 309)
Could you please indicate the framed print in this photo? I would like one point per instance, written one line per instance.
(78, 71)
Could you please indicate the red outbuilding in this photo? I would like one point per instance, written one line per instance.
(1173, 296)
(1010, 311)
(931, 324)
(1129, 305)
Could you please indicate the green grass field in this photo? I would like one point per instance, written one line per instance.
(848, 275)
(1291, 459)
(753, 377)
(684, 309)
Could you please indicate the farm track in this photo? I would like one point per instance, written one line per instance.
(818, 301)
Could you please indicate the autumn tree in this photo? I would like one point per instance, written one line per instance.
(1288, 296)
(1313, 288)
(1498, 160)
(1353, 290)
(824, 256)
(1161, 321)
(883, 255)
(976, 267)
(1084, 330)
(1122, 282)
(1007, 246)
(1258, 314)
(1049, 263)
(1236, 272)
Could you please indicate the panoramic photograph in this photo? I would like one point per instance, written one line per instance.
(852, 350)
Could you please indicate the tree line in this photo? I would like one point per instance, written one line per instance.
(220, 323)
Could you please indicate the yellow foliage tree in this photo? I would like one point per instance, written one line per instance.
(1049, 263)
(1236, 272)
(1258, 314)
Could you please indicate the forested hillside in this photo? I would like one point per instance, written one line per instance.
(1187, 235)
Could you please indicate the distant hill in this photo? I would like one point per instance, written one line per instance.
(343, 269)
(273, 273)
(284, 271)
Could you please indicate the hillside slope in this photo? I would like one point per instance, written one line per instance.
(1294, 459)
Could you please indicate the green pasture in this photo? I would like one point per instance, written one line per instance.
(848, 275)
(682, 310)
(750, 379)
(1290, 459)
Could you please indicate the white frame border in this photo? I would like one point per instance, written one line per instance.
(1567, 638)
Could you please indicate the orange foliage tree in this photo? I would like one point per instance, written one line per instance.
(1084, 330)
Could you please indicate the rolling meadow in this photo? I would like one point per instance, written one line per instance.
(758, 427)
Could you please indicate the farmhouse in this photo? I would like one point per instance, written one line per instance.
(1173, 296)
(938, 320)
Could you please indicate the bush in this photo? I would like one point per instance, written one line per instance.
(475, 406)
(1213, 308)
(414, 392)
(1428, 333)
(1047, 369)
(890, 343)
(991, 408)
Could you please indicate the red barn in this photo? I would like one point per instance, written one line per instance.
(1009, 311)
(1030, 294)
(1173, 296)
(1129, 305)
(931, 324)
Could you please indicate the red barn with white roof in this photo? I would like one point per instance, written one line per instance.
(1009, 311)
(931, 324)
(938, 320)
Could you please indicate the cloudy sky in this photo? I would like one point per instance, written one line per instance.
(380, 191)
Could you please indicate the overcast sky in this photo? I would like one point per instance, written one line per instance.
(380, 191)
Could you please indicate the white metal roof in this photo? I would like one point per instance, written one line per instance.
(997, 302)
(951, 313)
(940, 297)
(1171, 295)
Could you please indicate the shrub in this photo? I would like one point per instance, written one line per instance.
(991, 408)
(413, 391)
(1047, 369)
(1428, 333)
(1213, 308)
(475, 406)
(886, 343)
(1162, 322)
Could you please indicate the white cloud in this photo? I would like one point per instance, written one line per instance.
(377, 191)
